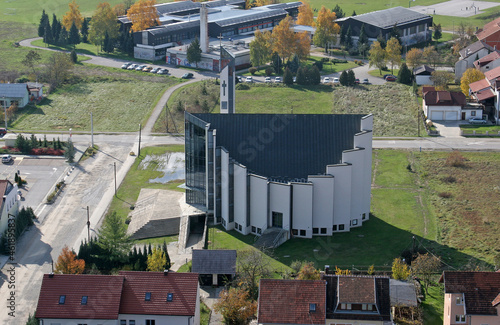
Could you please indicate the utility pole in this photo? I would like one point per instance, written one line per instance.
(139, 149)
(88, 224)
(92, 130)
(166, 116)
(114, 165)
(5, 111)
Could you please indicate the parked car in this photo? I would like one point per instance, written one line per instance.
(267, 80)
(162, 71)
(6, 159)
(277, 80)
(356, 81)
(366, 81)
(133, 66)
(3, 132)
(126, 65)
(249, 79)
(326, 80)
(239, 78)
(147, 69)
(477, 120)
(336, 80)
(187, 75)
(390, 78)
(294, 79)
(140, 67)
(155, 70)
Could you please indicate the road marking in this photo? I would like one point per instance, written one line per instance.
(479, 143)
(392, 142)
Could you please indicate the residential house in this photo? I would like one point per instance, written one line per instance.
(215, 266)
(487, 93)
(10, 204)
(488, 62)
(291, 302)
(471, 298)
(468, 55)
(403, 297)
(129, 298)
(357, 300)
(14, 94)
(423, 75)
(490, 34)
(448, 105)
(35, 90)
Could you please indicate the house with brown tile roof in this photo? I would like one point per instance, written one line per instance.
(490, 34)
(447, 106)
(358, 299)
(130, 298)
(468, 55)
(471, 298)
(291, 301)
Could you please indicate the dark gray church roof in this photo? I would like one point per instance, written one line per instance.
(284, 146)
(208, 261)
(389, 17)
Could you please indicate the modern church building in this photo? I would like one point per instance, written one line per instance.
(307, 174)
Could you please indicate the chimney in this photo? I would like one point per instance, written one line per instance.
(165, 272)
(327, 269)
(204, 28)
(51, 275)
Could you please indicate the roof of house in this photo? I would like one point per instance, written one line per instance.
(487, 59)
(489, 28)
(423, 70)
(403, 293)
(492, 74)
(481, 290)
(427, 89)
(387, 18)
(102, 291)
(13, 90)
(356, 290)
(334, 293)
(484, 94)
(296, 145)
(288, 301)
(182, 287)
(214, 261)
(5, 187)
(473, 48)
(478, 85)
(444, 98)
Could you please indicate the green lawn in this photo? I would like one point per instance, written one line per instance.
(433, 305)
(480, 129)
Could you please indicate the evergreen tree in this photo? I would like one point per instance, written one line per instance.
(287, 77)
(194, 52)
(338, 12)
(107, 45)
(59, 145)
(85, 30)
(113, 238)
(343, 32)
(381, 40)
(395, 32)
(353, 13)
(43, 21)
(363, 39)
(348, 38)
(69, 152)
(165, 250)
(294, 64)
(351, 78)
(73, 56)
(301, 77)
(47, 35)
(56, 28)
(437, 32)
(45, 142)
(34, 141)
(74, 35)
(63, 37)
(344, 79)
(314, 75)
(405, 75)
(276, 62)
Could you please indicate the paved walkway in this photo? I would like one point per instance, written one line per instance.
(448, 129)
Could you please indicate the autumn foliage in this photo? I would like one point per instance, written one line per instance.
(235, 306)
(470, 75)
(72, 16)
(143, 15)
(308, 272)
(67, 263)
(306, 16)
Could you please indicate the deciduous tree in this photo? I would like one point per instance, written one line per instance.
(441, 79)
(113, 237)
(326, 28)
(67, 263)
(58, 69)
(339, 271)
(302, 45)
(283, 38)
(157, 261)
(143, 15)
(72, 16)
(470, 75)
(103, 21)
(308, 272)
(251, 266)
(400, 270)
(194, 52)
(393, 50)
(414, 57)
(305, 16)
(431, 56)
(377, 56)
(425, 266)
(119, 9)
(260, 48)
(235, 306)
(31, 60)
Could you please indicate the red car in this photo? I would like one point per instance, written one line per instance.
(3, 132)
(390, 78)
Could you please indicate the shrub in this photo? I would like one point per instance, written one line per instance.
(269, 71)
(449, 179)
(324, 60)
(455, 159)
(319, 65)
(242, 86)
(445, 195)
(252, 70)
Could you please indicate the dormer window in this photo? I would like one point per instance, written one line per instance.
(312, 308)
(84, 300)
(62, 300)
(170, 297)
(147, 297)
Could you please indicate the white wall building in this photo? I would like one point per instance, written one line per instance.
(10, 204)
(308, 174)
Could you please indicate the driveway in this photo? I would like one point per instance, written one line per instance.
(448, 129)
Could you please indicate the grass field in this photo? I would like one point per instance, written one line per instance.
(100, 91)
(480, 129)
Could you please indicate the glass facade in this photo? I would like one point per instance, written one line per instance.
(195, 163)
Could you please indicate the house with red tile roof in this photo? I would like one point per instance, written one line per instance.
(129, 298)
(471, 298)
(488, 62)
(490, 34)
(448, 105)
(468, 55)
(291, 301)
(487, 93)
(358, 300)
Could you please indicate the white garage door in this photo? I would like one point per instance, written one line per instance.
(436, 115)
(451, 116)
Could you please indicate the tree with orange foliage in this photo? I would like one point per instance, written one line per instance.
(143, 15)
(302, 45)
(339, 271)
(326, 28)
(283, 38)
(306, 16)
(72, 16)
(235, 306)
(67, 263)
(119, 9)
(308, 272)
(103, 21)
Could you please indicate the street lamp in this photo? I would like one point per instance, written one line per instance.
(409, 3)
